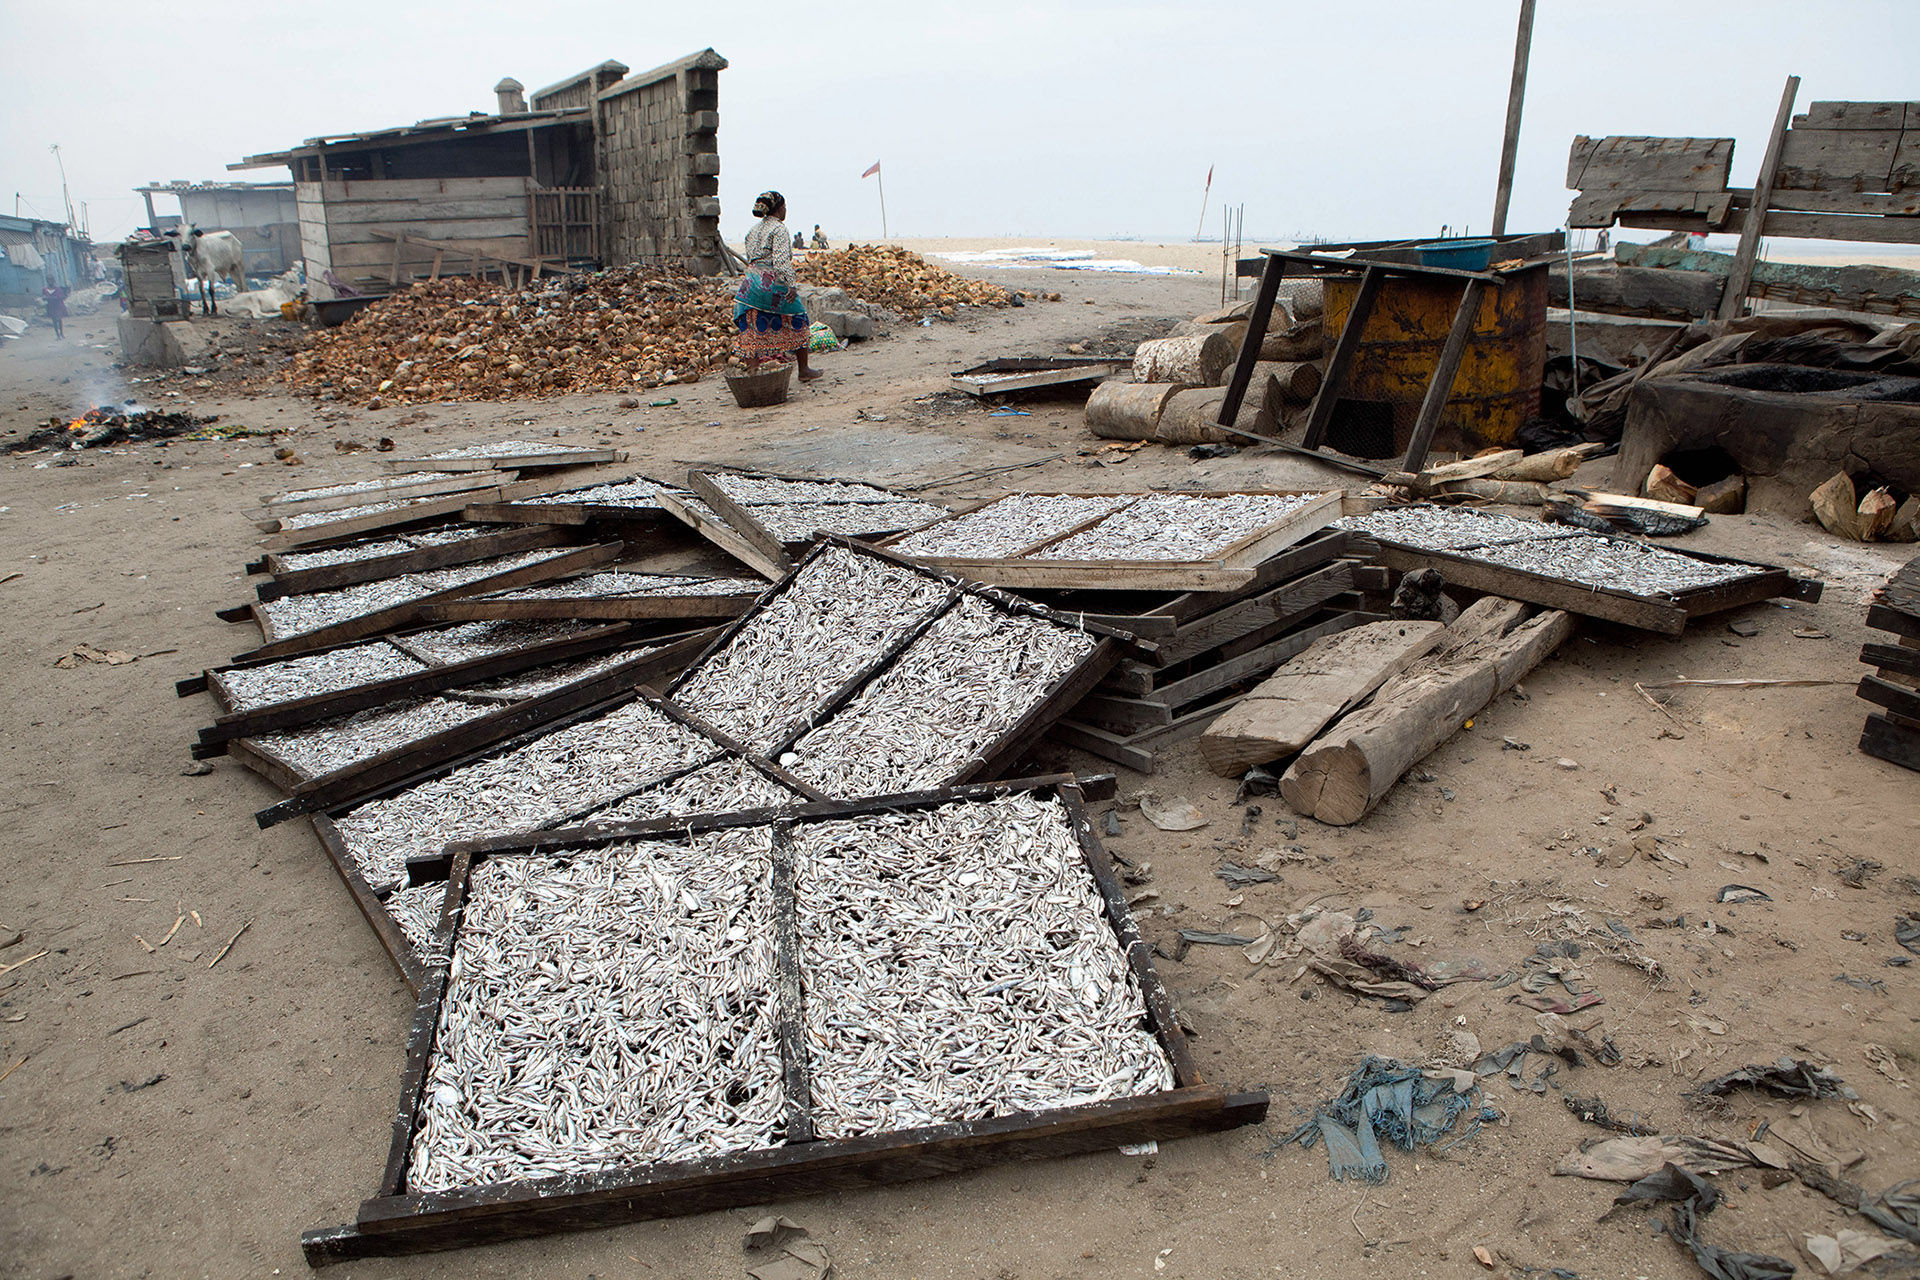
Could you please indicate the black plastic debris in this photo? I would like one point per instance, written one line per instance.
(1201, 452)
(1787, 1078)
(1873, 985)
(1240, 877)
(1595, 1111)
(1406, 1105)
(1256, 782)
(1737, 893)
(1906, 932)
(1199, 938)
(1697, 1198)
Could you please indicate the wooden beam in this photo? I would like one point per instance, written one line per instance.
(1334, 385)
(1440, 389)
(1734, 301)
(1516, 99)
(1896, 744)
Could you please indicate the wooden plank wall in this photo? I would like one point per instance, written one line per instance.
(339, 219)
(659, 166)
(1848, 170)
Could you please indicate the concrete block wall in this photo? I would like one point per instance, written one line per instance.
(659, 162)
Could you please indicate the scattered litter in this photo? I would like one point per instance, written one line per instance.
(1883, 1060)
(1256, 782)
(1595, 1111)
(85, 653)
(1240, 877)
(1849, 1250)
(788, 1254)
(1697, 1198)
(1906, 932)
(1407, 1105)
(1200, 938)
(1787, 1078)
(1742, 893)
(1178, 814)
(1630, 1159)
(1873, 985)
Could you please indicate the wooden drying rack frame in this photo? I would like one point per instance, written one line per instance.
(396, 1221)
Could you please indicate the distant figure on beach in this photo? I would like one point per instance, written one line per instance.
(819, 241)
(799, 241)
(1600, 244)
(55, 298)
(770, 320)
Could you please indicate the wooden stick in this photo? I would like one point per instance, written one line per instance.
(9, 968)
(1733, 300)
(1516, 99)
(230, 941)
(134, 862)
(15, 1067)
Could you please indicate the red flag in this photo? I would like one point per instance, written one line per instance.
(1209, 176)
(869, 173)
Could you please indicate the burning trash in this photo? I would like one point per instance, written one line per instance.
(122, 424)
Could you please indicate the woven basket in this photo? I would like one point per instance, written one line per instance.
(757, 390)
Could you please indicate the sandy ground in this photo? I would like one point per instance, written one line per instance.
(162, 1116)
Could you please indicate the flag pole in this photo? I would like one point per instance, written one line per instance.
(881, 178)
(1202, 224)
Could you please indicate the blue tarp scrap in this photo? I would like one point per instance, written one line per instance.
(1391, 1100)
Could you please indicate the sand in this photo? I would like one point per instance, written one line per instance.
(166, 1118)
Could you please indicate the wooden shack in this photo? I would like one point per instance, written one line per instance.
(262, 214)
(599, 168)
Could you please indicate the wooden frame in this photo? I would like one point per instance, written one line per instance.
(420, 512)
(1003, 752)
(572, 512)
(1665, 615)
(513, 719)
(493, 606)
(329, 577)
(532, 460)
(396, 1221)
(997, 377)
(274, 507)
(408, 612)
(752, 542)
(1234, 569)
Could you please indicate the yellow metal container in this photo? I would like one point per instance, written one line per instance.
(1498, 387)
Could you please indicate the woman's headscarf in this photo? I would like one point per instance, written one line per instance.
(766, 202)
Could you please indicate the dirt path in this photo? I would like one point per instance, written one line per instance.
(172, 1118)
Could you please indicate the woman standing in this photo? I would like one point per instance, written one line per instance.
(767, 312)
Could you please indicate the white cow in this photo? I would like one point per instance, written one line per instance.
(210, 255)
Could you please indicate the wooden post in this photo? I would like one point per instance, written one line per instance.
(1444, 374)
(1516, 97)
(1734, 300)
(1334, 385)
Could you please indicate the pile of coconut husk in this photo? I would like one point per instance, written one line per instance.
(462, 340)
(899, 280)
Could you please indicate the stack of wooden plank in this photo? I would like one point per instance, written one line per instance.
(1893, 733)
(767, 520)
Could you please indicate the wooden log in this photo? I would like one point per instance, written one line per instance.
(1518, 493)
(1226, 315)
(1664, 486)
(1430, 479)
(1286, 711)
(1128, 410)
(1554, 464)
(1287, 381)
(1197, 360)
(1686, 510)
(1303, 340)
(1837, 508)
(1350, 768)
(1193, 417)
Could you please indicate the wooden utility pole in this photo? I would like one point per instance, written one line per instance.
(1740, 276)
(1516, 98)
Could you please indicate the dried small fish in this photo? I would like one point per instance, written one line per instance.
(611, 1007)
(375, 485)
(1176, 526)
(249, 688)
(799, 521)
(416, 909)
(331, 745)
(1433, 528)
(958, 964)
(374, 548)
(299, 614)
(1007, 524)
(543, 680)
(771, 490)
(504, 449)
(636, 495)
(838, 614)
(613, 583)
(314, 519)
(465, 641)
(1615, 564)
(725, 786)
(929, 717)
(565, 771)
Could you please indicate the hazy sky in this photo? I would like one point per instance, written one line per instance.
(1346, 118)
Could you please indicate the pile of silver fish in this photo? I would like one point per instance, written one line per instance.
(958, 964)
(297, 615)
(1176, 526)
(1007, 525)
(611, 1007)
(934, 711)
(725, 786)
